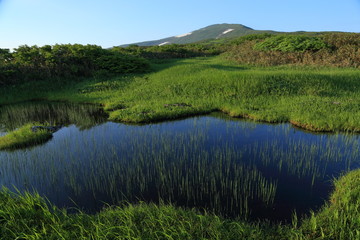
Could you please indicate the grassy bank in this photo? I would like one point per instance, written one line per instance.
(340, 217)
(23, 137)
(318, 99)
(27, 216)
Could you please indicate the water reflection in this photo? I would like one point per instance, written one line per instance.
(53, 113)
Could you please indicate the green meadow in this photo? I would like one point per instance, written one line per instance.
(314, 98)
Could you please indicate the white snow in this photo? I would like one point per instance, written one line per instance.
(163, 43)
(183, 35)
(227, 31)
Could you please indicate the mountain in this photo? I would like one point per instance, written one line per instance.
(215, 31)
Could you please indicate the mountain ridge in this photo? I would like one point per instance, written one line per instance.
(215, 31)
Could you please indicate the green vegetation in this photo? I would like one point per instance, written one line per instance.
(171, 51)
(318, 99)
(340, 217)
(64, 61)
(28, 216)
(23, 137)
(326, 49)
(196, 162)
(309, 80)
(291, 43)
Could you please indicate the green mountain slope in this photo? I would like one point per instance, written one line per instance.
(216, 31)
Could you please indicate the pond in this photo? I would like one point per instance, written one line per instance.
(232, 167)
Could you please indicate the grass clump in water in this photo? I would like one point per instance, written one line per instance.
(24, 137)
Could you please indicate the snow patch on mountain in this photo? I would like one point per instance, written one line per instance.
(183, 35)
(225, 32)
(164, 43)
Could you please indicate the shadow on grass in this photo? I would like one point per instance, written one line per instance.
(227, 67)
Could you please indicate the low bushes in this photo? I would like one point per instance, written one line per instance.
(327, 49)
(64, 61)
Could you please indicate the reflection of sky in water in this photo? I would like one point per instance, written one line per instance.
(95, 165)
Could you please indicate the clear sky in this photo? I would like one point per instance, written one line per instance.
(115, 22)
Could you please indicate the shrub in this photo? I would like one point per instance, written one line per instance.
(291, 43)
(327, 49)
(66, 61)
(121, 63)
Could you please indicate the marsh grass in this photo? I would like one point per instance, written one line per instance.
(29, 216)
(340, 217)
(315, 98)
(24, 137)
(318, 99)
(232, 168)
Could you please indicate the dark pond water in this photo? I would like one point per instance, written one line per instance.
(235, 168)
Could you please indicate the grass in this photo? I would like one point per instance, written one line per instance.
(28, 216)
(340, 218)
(23, 137)
(318, 99)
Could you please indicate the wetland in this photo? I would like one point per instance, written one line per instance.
(231, 167)
(174, 142)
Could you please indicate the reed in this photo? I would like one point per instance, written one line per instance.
(216, 164)
(29, 216)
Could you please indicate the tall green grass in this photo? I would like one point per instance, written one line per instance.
(29, 216)
(340, 217)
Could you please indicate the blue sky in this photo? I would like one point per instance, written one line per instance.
(115, 22)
